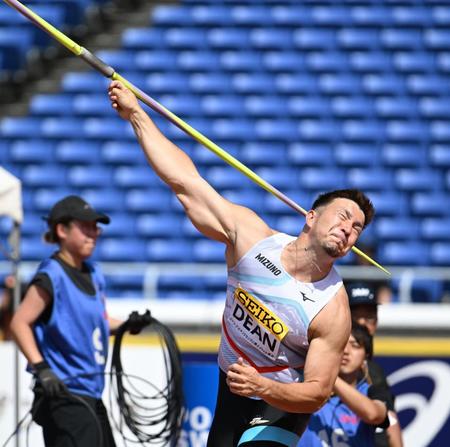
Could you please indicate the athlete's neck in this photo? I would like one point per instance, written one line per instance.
(69, 259)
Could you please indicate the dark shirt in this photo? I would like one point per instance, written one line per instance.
(81, 278)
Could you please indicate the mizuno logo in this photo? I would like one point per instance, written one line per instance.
(305, 298)
(256, 421)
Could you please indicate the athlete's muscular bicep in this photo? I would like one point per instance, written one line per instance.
(329, 333)
(213, 215)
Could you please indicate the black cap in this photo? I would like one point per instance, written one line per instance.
(360, 293)
(74, 207)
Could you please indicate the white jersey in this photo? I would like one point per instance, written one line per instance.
(268, 312)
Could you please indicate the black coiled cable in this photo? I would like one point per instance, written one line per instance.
(156, 418)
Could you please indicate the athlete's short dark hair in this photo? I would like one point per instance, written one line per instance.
(363, 337)
(355, 195)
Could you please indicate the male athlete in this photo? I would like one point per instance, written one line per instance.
(286, 319)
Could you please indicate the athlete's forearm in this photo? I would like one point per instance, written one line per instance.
(169, 162)
(306, 397)
(370, 411)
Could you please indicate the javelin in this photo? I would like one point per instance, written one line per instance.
(109, 72)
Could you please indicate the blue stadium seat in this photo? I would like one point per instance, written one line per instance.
(440, 253)
(294, 83)
(412, 16)
(290, 225)
(395, 107)
(195, 61)
(396, 39)
(420, 179)
(222, 38)
(404, 253)
(411, 132)
(222, 106)
(169, 250)
(240, 61)
(226, 178)
(204, 157)
(291, 14)
(251, 15)
(372, 179)
(389, 203)
(326, 61)
(136, 177)
(154, 60)
(121, 153)
(259, 154)
(317, 179)
(309, 154)
(358, 39)
(172, 15)
(167, 83)
(443, 62)
(383, 84)
(430, 203)
(397, 155)
(363, 130)
(33, 226)
(206, 83)
(14, 45)
(34, 249)
(435, 108)
(422, 290)
(141, 38)
(45, 197)
(283, 61)
(121, 225)
(307, 39)
(339, 84)
(212, 15)
(42, 175)
(277, 130)
(147, 200)
(92, 105)
(440, 14)
(272, 39)
(32, 151)
(331, 16)
(436, 229)
(318, 130)
(353, 107)
(127, 249)
(437, 39)
(280, 177)
(440, 131)
(76, 152)
(370, 61)
(208, 251)
(252, 200)
(89, 176)
(158, 225)
(307, 107)
(118, 59)
(354, 155)
(414, 61)
(374, 15)
(233, 129)
(62, 127)
(428, 84)
(84, 82)
(397, 228)
(185, 38)
(105, 198)
(440, 155)
(51, 104)
(249, 83)
(20, 127)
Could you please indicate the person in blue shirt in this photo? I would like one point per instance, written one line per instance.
(62, 328)
(350, 416)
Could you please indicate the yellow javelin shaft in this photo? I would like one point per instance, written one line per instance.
(109, 72)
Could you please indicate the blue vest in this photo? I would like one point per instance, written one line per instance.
(335, 425)
(74, 341)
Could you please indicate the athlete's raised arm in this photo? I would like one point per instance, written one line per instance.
(213, 215)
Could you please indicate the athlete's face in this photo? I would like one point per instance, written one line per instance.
(337, 226)
(353, 358)
(80, 238)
